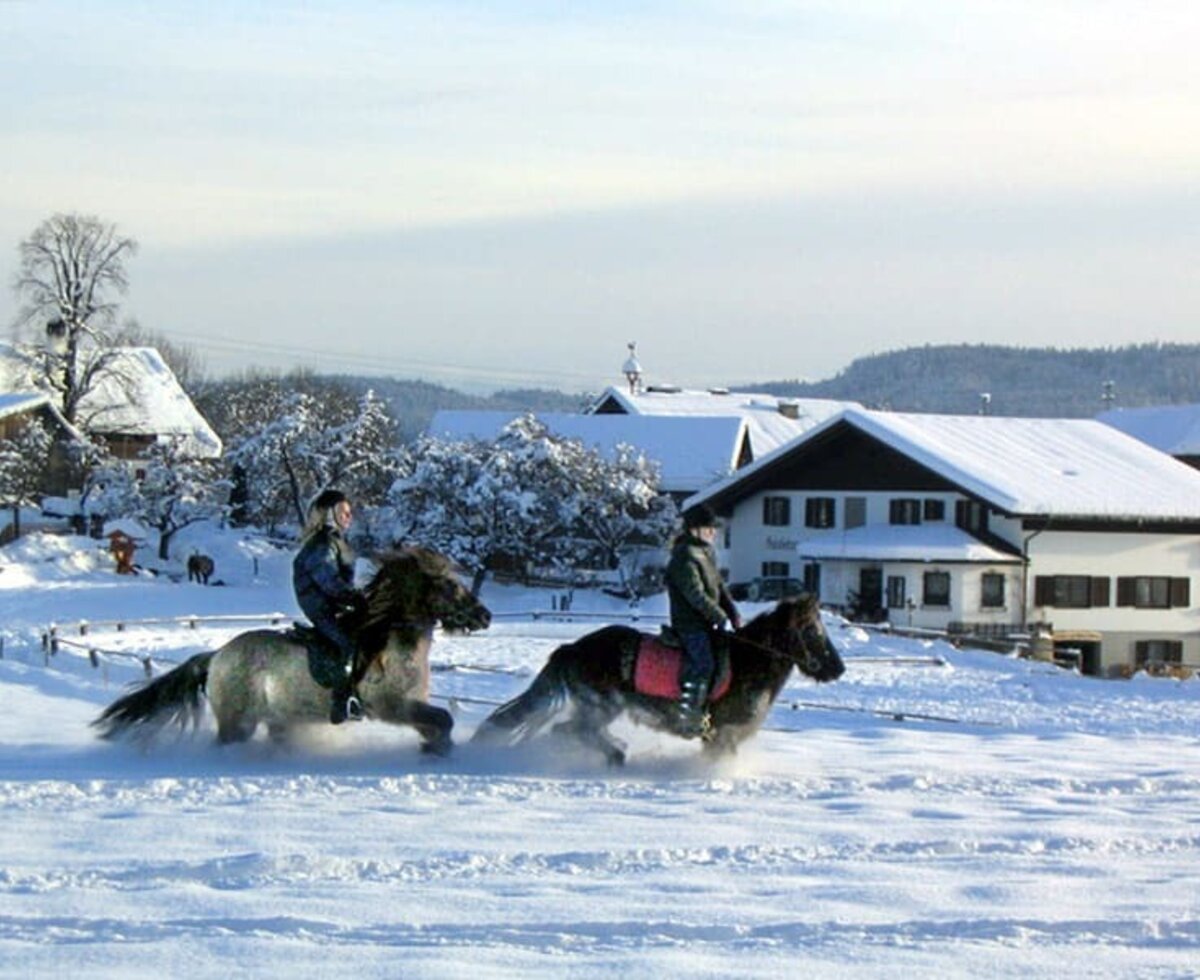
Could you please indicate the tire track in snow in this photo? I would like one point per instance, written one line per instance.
(1177, 936)
(256, 870)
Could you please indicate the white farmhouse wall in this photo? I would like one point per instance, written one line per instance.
(1112, 556)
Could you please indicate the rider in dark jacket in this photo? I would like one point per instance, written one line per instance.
(323, 579)
(700, 605)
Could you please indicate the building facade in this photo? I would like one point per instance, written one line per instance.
(999, 527)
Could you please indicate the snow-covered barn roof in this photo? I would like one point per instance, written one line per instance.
(691, 452)
(772, 420)
(17, 403)
(1077, 468)
(138, 395)
(1173, 429)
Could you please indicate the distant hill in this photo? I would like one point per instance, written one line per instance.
(950, 379)
(1041, 382)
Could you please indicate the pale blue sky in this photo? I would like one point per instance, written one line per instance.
(509, 192)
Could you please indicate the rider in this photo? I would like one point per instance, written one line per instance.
(700, 605)
(323, 578)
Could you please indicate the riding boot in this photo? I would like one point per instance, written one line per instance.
(344, 704)
(690, 721)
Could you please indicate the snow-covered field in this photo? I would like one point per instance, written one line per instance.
(1018, 821)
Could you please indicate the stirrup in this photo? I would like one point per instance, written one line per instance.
(345, 709)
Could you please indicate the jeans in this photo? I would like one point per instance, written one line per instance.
(698, 661)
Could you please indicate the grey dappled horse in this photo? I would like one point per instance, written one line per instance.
(263, 676)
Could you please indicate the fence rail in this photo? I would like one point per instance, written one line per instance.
(53, 639)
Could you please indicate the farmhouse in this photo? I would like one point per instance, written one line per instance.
(980, 524)
(136, 402)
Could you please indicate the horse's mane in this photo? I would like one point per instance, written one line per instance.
(399, 594)
(806, 606)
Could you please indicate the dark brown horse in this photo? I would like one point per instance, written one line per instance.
(600, 677)
(264, 676)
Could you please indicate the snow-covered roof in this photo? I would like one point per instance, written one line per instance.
(140, 395)
(1022, 466)
(1173, 429)
(15, 403)
(137, 395)
(901, 542)
(769, 417)
(691, 452)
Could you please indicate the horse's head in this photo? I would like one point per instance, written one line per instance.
(795, 630)
(417, 587)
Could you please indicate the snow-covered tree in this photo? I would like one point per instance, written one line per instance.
(310, 442)
(528, 499)
(622, 514)
(24, 458)
(175, 492)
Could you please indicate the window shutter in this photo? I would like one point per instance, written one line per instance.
(1126, 591)
(1043, 590)
(1181, 592)
(1100, 591)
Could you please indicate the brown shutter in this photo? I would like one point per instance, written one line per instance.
(1043, 590)
(1100, 591)
(1181, 592)
(1126, 591)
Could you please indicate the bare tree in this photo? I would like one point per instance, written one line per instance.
(72, 271)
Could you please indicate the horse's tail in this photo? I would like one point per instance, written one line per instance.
(519, 719)
(175, 697)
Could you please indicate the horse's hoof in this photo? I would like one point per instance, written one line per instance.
(438, 747)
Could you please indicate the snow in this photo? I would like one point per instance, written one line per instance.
(900, 542)
(1173, 429)
(1020, 821)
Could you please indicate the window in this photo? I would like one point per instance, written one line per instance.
(992, 591)
(905, 510)
(1070, 591)
(776, 569)
(819, 512)
(777, 511)
(971, 515)
(856, 512)
(1158, 652)
(1153, 592)
(895, 591)
(937, 589)
(934, 510)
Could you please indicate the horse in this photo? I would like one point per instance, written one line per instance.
(264, 676)
(200, 568)
(609, 672)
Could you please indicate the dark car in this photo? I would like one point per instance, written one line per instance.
(767, 588)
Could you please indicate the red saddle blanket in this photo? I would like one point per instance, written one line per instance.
(656, 671)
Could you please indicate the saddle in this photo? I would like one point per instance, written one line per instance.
(324, 658)
(654, 667)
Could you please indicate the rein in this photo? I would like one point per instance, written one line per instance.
(774, 654)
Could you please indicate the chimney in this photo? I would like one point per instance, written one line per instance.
(789, 408)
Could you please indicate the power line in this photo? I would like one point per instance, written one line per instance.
(385, 364)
